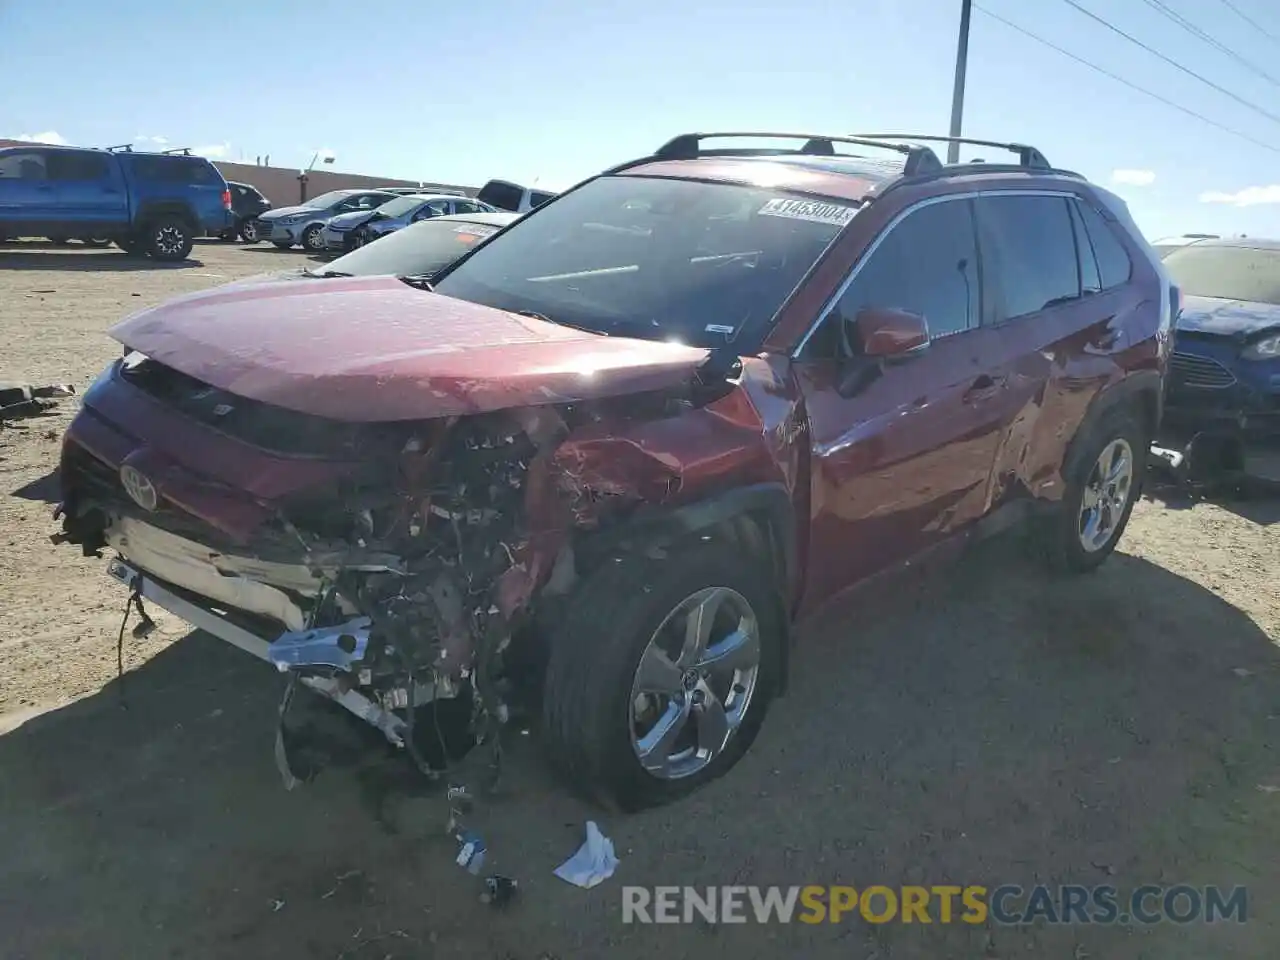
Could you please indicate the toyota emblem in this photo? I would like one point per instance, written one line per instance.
(139, 487)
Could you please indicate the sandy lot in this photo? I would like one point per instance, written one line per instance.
(984, 724)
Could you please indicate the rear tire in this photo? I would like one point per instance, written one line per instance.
(169, 239)
(591, 716)
(1100, 493)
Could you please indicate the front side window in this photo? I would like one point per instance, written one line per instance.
(701, 263)
(1029, 248)
(927, 264)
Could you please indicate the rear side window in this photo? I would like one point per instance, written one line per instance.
(1114, 265)
(537, 198)
(927, 265)
(1030, 249)
(77, 166)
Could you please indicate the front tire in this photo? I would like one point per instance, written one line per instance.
(660, 673)
(313, 238)
(169, 239)
(249, 231)
(1103, 483)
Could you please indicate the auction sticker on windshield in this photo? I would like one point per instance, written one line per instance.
(816, 211)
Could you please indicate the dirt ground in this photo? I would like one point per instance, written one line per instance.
(982, 724)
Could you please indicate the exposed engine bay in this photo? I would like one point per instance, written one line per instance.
(409, 578)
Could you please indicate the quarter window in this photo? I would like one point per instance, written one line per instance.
(1029, 248)
(1114, 265)
(1090, 280)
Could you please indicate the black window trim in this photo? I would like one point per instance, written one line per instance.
(972, 195)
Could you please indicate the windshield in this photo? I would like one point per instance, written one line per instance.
(400, 206)
(326, 199)
(1228, 273)
(654, 258)
(422, 248)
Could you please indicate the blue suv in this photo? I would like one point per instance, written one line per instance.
(148, 203)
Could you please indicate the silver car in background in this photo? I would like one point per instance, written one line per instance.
(304, 224)
(351, 230)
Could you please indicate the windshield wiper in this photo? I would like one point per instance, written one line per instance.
(420, 280)
(330, 273)
(534, 315)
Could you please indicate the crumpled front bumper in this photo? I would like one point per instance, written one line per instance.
(221, 625)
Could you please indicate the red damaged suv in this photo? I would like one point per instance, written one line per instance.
(613, 453)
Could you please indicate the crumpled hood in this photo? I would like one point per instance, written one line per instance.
(369, 349)
(345, 221)
(1227, 318)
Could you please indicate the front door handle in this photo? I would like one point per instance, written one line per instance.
(983, 387)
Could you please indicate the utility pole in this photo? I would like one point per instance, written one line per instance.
(957, 94)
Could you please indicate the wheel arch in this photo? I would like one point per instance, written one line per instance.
(759, 519)
(1141, 392)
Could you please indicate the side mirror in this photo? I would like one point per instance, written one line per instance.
(890, 333)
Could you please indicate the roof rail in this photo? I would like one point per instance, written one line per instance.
(1028, 156)
(687, 146)
(121, 148)
(183, 151)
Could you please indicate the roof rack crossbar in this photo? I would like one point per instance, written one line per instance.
(1028, 156)
(121, 148)
(687, 146)
(182, 151)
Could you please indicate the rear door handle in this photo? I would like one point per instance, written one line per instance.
(983, 387)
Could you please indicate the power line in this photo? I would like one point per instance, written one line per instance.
(1119, 79)
(1250, 21)
(1173, 63)
(1199, 34)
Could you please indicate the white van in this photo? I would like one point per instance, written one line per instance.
(505, 195)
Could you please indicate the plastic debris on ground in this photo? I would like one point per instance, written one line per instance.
(472, 852)
(594, 862)
(499, 891)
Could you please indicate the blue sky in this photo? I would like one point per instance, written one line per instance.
(556, 90)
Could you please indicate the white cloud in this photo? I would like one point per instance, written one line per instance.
(214, 151)
(48, 136)
(157, 141)
(1248, 197)
(1133, 178)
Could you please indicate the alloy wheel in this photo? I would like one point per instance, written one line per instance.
(694, 683)
(169, 240)
(1106, 494)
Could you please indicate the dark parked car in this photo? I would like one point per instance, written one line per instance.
(247, 205)
(152, 203)
(1224, 376)
(599, 465)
